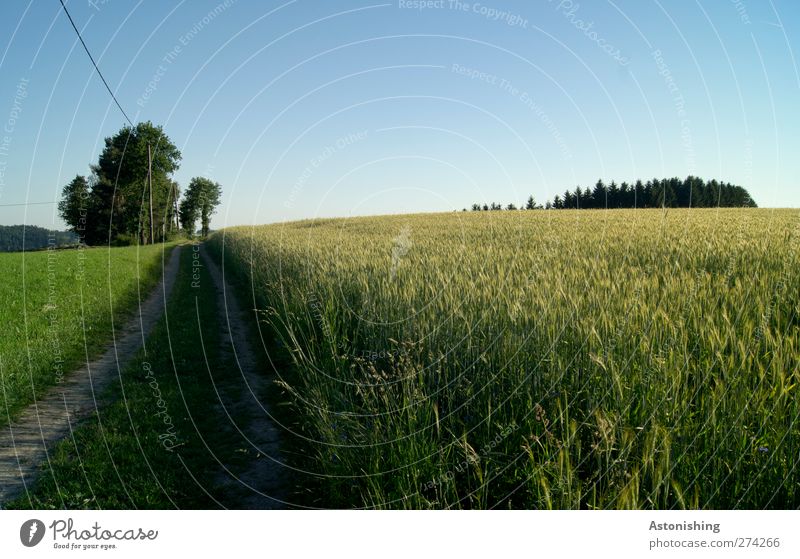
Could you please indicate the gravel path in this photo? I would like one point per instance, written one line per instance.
(24, 444)
(263, 481)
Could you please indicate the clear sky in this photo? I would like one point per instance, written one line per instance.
(331, 108)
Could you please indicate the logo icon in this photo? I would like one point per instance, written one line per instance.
(32, 532)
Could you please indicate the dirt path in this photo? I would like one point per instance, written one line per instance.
(262, 483)
(24, 444)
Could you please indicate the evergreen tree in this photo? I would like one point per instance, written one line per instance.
(655, 193)
(638, 194)
(623, 200)
(599, 195)
(569, 200)
(613, 195)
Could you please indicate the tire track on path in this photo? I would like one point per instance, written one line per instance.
(262, 483)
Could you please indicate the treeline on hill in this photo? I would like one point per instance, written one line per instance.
(30, 237)
(691, 192)
(130, 196)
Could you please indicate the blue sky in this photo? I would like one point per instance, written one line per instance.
(310, 108)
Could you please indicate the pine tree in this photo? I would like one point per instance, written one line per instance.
(530, 204)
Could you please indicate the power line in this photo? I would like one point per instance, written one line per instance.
(99, 73)
(25, 204)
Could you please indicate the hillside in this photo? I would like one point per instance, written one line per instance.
(14, 238)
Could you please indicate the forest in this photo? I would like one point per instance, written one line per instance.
(691, 192)
(15, 238)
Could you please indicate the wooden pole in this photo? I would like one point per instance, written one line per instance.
(150, 180)
(175, 198)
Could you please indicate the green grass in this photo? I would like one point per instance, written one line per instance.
(58, 306)
(592, 359)
(138, 453)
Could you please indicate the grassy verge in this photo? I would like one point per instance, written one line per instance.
(153, 444)
(620, 359)
(59, 307)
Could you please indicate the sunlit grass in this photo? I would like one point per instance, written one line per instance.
(57, 308)
(569, 359)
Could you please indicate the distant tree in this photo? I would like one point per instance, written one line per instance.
(188, 213)
(653, 199)
(30, 237)
(531, 203)
(583, 198)
(686, 191)
(202, 197)
(638, 194)
(655, 193)
(612, 196)
(485, 208)
(120, 194)
(74, 205)
(172, 217)
(476, 207)
(569, 200)
(598, 196)
(625, 196)
(511, 206)
(663, 194)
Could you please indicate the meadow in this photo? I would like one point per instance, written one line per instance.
(122, 456)
(536, 359)
(58, 308)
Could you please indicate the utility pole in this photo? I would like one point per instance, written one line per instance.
(175, 198)
(150, 181)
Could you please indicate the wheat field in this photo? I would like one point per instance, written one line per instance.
(537, 359)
